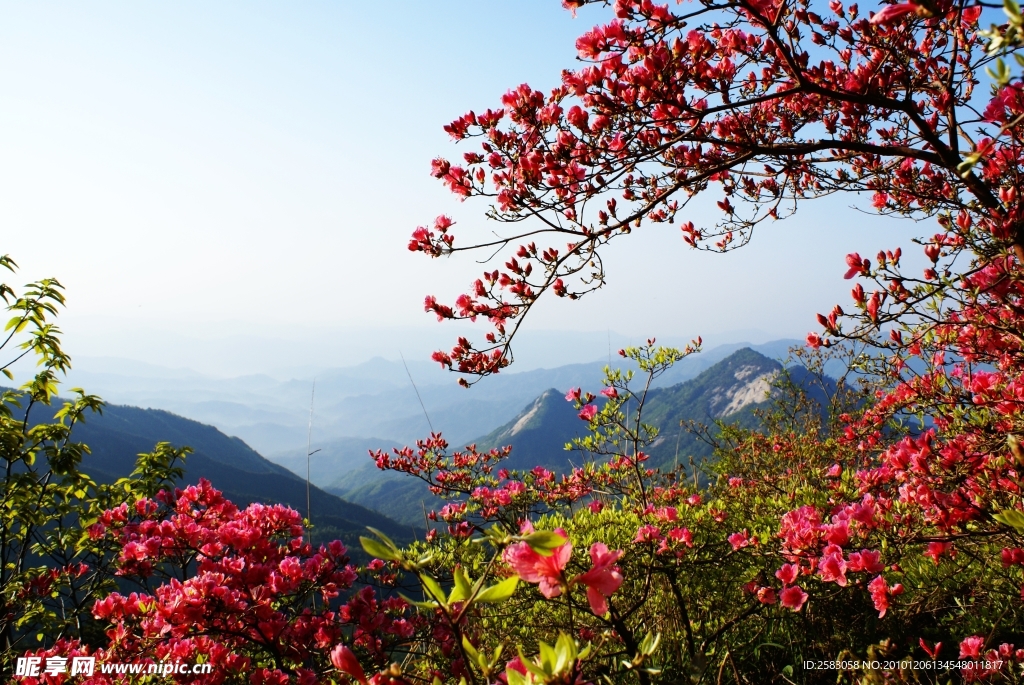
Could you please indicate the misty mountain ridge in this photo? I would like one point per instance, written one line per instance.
(374, 399)
(732, 389)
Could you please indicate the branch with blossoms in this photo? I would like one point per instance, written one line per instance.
(770, 101)
(938, 359)
(475, 493)
(536, 557)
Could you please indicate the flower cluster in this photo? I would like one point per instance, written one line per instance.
(242, 589)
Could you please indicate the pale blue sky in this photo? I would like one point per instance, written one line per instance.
(255, 169)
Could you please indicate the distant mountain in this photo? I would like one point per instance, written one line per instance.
(731, 389)
(372, 399)
(121, 433)
(538, 436)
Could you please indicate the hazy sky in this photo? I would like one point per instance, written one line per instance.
(255, 169)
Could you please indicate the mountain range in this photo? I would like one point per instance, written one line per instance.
(732, 389)
(368, 407)
(376, 399)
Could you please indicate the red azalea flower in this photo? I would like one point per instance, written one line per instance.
(793, 598)
(533, 567)
(603, 579)
(346, 662)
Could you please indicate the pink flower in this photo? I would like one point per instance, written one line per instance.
(881, 593)
(588, 412)
(866, 560)
(739, 540)
(971, 647)
(516, 665)
(788, 573)
(933, 652)
(647, 533)
(891, 13)
(873, 304)
(603, 579)
(533, 567)
(1012, 556)
(970, 15)
(793, 598)
(666, 514)
(573, 395)
(610, 392)
(346, 662)
(832, 566)
(838, 533)
(856, 265)
(681, 535)
(937, 549)
(766, 595)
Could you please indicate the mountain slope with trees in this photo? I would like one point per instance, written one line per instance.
(120, 433)
(731, 390)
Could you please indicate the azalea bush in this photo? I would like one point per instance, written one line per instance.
(889, 527)
(204, 582)
(139, 571)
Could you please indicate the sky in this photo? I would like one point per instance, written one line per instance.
(230, 187)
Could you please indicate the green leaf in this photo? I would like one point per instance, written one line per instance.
(543, 542)
(565, 653)
(548, 658)
(472, 653)
(432, 587)
(463, 588)
(1012, 518)
(531, 665)
(417, 603)
(385, 538)
(517, 678)
(650, 643)
(499, 592)
(378, 549)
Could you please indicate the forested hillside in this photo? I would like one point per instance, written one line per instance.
(731, 390)
(120, 433)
